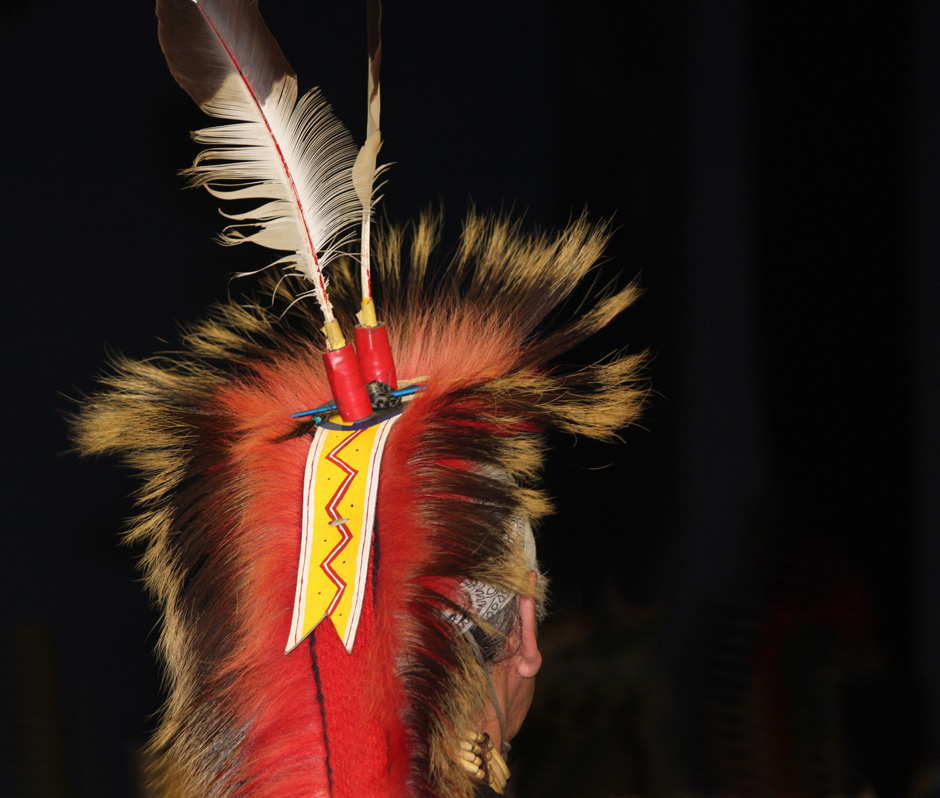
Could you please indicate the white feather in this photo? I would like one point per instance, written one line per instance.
(293, 156)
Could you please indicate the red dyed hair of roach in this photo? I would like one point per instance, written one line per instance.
(440, 520)
(236, 518)
(318, 718)
(349, 707)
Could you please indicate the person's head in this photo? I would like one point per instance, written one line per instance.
(510, 652)
(503, 637)
(501, 627)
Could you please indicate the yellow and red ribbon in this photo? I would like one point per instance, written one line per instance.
(340, 489)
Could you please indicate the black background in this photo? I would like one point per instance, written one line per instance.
(772, 172)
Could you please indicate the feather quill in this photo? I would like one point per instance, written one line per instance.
(365, 170)
(294, 156)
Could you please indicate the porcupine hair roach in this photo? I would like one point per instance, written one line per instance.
(222, 465)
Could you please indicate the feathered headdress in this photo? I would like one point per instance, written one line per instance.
(260, 522)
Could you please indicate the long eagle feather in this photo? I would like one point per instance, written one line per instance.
(294, 156)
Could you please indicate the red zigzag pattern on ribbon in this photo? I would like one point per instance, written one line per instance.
(327, 564)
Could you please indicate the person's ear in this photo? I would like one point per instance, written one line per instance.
(529, 658)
